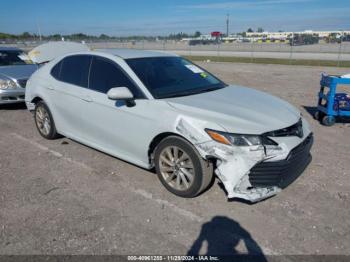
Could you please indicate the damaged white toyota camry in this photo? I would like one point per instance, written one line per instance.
(155, 109)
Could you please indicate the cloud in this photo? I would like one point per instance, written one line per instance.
(242, 4)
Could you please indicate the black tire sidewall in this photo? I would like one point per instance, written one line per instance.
(52, 134)
(195, 188)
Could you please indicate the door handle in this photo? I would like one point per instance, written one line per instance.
(49, 87)
(87, 98)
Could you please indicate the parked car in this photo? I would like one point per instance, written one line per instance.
(204, 42)
(303, 39)
(156, 109)
(14, 73)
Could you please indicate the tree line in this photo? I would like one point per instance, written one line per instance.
(26, 36)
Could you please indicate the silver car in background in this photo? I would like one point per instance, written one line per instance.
(14, 73)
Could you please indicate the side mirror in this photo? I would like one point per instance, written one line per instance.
(120, 93)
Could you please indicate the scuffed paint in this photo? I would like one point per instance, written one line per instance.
(233, 163)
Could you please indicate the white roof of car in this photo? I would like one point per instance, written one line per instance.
(134, 53)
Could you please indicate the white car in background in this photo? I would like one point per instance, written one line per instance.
(156, 109)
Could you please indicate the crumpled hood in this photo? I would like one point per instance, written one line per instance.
(239, 109)
(17, 71)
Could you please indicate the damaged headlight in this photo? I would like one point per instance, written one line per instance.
(239, 139)
(7, 84)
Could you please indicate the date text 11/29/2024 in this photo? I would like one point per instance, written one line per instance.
(173, 258)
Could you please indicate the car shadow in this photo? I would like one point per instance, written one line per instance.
(15, 106)
(312, 110)
(222, 236)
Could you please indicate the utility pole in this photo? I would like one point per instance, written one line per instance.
(227, 24)
(39, 30)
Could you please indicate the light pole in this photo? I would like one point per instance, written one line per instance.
(227, 24)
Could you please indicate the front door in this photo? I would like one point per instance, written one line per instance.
(115, 127)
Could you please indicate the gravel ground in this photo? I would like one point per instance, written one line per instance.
(61, 197)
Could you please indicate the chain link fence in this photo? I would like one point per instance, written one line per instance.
(335, 52)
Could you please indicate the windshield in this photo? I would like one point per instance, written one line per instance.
(173, 76)
(10, 58)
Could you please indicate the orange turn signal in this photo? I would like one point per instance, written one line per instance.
(218, 137)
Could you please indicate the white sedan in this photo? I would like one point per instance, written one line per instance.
(156, 109)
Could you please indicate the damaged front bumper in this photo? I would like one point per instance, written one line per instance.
(252, 173)
(266, 178)
(282, 173)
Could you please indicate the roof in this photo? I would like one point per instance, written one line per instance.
(134, 53)
(7, 48)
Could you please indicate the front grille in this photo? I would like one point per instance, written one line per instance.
(294, 130)
(284, 172)
(22, 82)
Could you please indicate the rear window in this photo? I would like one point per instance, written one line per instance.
(74, 70)
(56, 70)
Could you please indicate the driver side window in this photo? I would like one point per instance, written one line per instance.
(105, 74)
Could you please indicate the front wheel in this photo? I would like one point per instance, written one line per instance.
(180, 168)
(44, 121)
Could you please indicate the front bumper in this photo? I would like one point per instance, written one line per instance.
(282, 173)
(9, 96)
(256, 172)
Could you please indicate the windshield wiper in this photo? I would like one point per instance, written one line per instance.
(209, 89)
(187, 93)
(193, 92)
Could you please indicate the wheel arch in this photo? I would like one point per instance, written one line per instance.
(36, 99)
(155, 142)
(158, 138)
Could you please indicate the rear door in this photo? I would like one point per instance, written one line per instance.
(70, 98)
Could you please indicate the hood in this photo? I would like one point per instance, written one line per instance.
(239, 109)
(49, 51)
(17, 71)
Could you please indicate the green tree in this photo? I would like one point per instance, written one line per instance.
(250, 30)
(197, 34)
(260, 30)
(26, 35)
(103, 36)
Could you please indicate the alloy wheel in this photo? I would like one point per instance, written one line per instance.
(177, 168)
(43, 121)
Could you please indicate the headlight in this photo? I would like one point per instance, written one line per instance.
(239, 139)
(7, 84)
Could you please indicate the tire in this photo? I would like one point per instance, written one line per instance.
(180, 168)
(328, 120)
(44, 121)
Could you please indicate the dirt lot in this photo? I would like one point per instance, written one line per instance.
(61, 197)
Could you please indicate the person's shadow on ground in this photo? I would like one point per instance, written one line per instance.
(222, 235)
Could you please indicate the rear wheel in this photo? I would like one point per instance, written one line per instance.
(180, 168)
(44, 121)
